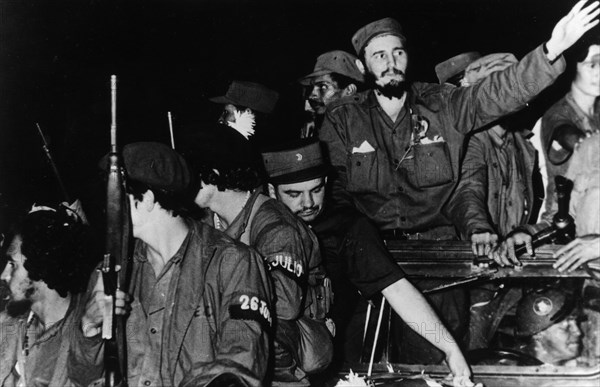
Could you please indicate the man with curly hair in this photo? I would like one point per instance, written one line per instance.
(229, 174)
(50, 259)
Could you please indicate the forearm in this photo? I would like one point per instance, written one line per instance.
(413, 308)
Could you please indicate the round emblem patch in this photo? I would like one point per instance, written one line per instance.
(542, 306)
(299, 156)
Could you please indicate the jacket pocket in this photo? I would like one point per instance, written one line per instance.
(433, 166)
(362, 172)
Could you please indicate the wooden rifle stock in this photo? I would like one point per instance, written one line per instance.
(115, 267)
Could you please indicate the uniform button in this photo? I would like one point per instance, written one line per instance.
(319, 297)
(147, 383)
(396, 161)
(496, 195)
(358, 163)
(403, 218)
(152, 330)
(400, 189)
(526, 212)
(312, 315)
(495, 165)
(394, 131)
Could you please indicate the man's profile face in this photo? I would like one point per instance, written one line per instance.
(228, 114)
(386, 61)
(587, 79)
(324, 91)
(304, 199)
(561, 341)
(15, 274)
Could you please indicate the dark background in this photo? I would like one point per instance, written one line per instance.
(56, 58)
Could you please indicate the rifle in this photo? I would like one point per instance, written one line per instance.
(114, 268)
(53, 165)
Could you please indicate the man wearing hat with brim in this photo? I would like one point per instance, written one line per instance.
(396, 148)
(495, 192)
(335, 75)
(229, 174)
(188, 320)
(243, 102)
(356, 259)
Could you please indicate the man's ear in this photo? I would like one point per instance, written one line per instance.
(361, 66)
(272, 193)
(349, 90)
(148, 201)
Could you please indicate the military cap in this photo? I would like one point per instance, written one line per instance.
(541, 309)
(295, 163)
(249, 94)
(455, 65)
(339, 62)
(155, 165)
(386, 26)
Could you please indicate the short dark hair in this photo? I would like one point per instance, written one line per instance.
(59, 250)
(178, 203)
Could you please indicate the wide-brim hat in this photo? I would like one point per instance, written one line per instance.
(486, 65)
(455, 65)
(251, 95)
(293, 163)
(385, 26)
(337, 61)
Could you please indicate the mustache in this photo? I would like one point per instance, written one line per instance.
(392, 71)
(308, 209)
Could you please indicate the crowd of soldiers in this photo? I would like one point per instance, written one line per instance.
(273, 282)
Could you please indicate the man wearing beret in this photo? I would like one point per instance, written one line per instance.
(355, 255)
(335, 75)
(201, 302)
(229, 174)
(495, 193)
(243, 102)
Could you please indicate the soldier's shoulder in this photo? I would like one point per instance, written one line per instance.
(432, 92)
(356, 99)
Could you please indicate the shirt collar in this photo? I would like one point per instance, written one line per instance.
(239, 224)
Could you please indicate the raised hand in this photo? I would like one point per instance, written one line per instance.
(571, 27)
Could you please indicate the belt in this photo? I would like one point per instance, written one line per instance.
(435, 233)
(399, 234)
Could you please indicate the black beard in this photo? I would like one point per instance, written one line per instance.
(395, 89)
(18, 308)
